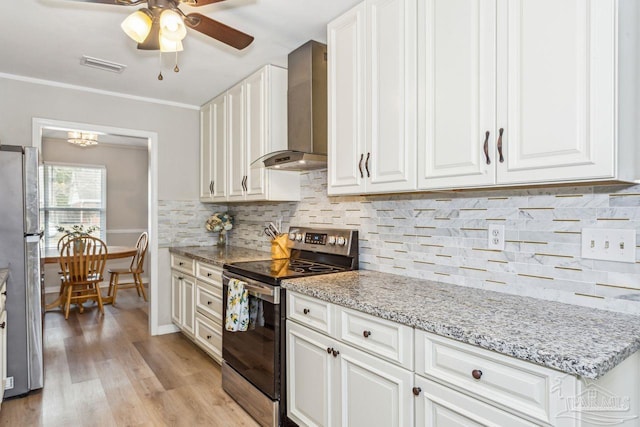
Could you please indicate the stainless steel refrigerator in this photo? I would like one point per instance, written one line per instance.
(20, 251)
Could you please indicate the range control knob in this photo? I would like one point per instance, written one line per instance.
(299, 237)
(332, 240)
(341, 241)
(292, 236)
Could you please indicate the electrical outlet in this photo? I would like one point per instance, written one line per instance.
(609, 244)
(8, 383)
(496, 237)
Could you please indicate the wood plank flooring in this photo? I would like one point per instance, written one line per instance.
(108, 371)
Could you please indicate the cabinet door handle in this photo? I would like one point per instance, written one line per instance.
(335, 352)
(366, 334)
(486, 147)
(244, 177)
(416, 391)
(360, 165)
(476, 373)
(211, 187)
(329, 350)
(306, 311)
(366, 165)
(208, 337)
(3, 325)
(500, 131)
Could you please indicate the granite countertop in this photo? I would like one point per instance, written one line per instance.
(4, 273)
(573, 339)
(217, 256)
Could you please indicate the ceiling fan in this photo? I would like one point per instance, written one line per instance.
(161, 25)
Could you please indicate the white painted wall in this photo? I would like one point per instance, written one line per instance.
(177, 128)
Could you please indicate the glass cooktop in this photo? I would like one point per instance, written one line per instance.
(281, 268)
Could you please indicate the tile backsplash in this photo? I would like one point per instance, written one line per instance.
(443, 236)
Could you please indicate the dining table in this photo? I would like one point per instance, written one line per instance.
(52, 256)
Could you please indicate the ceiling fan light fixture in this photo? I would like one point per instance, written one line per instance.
(138, 24)
(82, 139)
(172, 26)
(167, 45)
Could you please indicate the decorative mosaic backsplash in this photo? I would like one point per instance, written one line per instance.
(443, 236)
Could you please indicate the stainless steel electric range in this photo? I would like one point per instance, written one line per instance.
(253, 371)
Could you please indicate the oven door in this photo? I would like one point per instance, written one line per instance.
(255, 353)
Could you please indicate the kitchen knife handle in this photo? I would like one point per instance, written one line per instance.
(486, 147)
(500, 131)
(366, 165)
(360, 165)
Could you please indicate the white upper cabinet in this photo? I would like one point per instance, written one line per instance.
(372, 98)
(457, 69)
(213, 150)
(550, 80)
(248, 121)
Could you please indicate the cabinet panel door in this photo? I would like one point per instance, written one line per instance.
(309, 376)
(188, 304)
(236, 142)
(372, 392)
(557, 103)
(176, 299)
(206, 158)
(256, 131)
(391, 89)
(457, 68)
(219, 147)
(346, 98)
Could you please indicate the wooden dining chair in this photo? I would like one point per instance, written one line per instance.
(135, 270)
(64, 239)
(82, 262)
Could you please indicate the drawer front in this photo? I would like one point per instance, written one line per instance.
(209, 301)
(311, 312)
(503, 380)
(437, 405)
(209, 274)
(389, 340)
(181, 263)
(209, 336)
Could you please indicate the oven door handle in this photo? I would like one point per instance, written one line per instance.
(255, 288)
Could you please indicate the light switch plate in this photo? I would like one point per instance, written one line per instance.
(609, 244)
(496, 237)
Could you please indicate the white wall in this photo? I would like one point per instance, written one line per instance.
(177, 128)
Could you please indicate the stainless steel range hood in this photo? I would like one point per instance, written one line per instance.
(306, 111)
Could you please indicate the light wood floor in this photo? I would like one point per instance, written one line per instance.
(108, 371)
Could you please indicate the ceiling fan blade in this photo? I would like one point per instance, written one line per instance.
(218, 31)
(196, 3)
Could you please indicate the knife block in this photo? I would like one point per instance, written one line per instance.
(280, 247)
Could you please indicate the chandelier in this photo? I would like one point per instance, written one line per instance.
(82, 139)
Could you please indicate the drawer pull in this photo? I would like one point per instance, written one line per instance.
(209, 302)
(181, 263)
(208, 274)
(3, 325)
(476, 373)
(180, 278)
(335, 352)
(208, 337)
(4, 293)
(366, 334)
(306, 311)
(417, 391)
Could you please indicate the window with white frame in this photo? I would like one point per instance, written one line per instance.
(72, 195)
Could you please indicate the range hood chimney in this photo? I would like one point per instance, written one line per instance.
(306, 111)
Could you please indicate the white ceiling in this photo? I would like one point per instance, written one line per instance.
(45, 39)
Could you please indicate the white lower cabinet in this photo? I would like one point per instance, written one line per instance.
(196, 303)
(332, 383)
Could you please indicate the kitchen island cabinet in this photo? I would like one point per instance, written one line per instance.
(500, 360)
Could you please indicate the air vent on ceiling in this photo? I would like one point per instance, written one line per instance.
(102, 64)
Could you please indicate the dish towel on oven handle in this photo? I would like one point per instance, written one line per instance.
(237, 319)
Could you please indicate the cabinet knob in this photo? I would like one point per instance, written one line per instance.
(476, 373)
(4, 293)
(366, 334)
(208, 274)
(181, 263)
(335, 352)
(329, 350)
(417, 391)
(3, 324)
(180, 278)
(209, 302)
(486, 147)
(208, 337)
(500, 131)
(306, 311)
